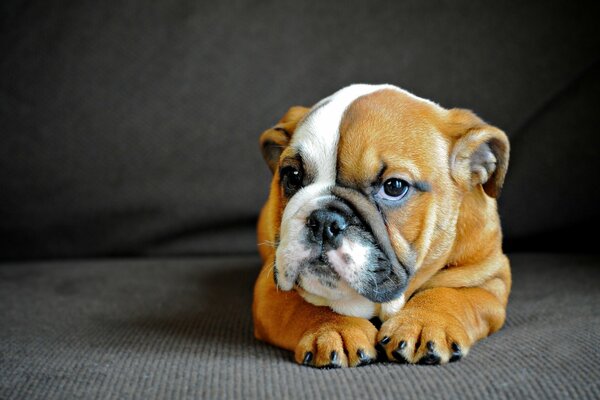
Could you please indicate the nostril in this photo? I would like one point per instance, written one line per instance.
(313, 224)
(334, 229)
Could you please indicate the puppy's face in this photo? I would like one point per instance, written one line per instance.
(369, 185)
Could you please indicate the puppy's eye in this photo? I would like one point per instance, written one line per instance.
(291, 179)
(393, 189)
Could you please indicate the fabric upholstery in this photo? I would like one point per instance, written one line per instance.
(182, 329)
(131, 127)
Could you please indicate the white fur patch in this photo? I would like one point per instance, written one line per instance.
(348, 260)
(390, 308)
(356, 306)
(291, 250)
(318, 134)
(346, 302)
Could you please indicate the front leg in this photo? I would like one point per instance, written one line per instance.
(317, 336)
(439, 325)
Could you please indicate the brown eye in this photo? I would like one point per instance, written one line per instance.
(393, 189)
(291, 179)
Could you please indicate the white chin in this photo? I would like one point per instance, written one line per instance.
(342, 299)
(356, 307)
(311, 285)
(344, 302)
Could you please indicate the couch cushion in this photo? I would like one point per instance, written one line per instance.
(131, 128)
(181, 328)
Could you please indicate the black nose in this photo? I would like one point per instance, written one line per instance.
(327, 226)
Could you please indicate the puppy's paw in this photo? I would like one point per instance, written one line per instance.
(423, 337)
(345, 342)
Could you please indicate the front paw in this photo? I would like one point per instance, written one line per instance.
(340, 343)
(423, 337)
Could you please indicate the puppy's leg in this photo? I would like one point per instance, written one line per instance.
(317, 336)
(440, 324)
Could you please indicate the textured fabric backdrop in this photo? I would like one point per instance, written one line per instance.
(182, 329)
(130, 127)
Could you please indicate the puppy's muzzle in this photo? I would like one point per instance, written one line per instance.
(388, 274)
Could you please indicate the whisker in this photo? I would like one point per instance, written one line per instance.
(270, 270)
(267, 243)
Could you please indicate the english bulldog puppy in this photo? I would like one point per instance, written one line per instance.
(382, 205)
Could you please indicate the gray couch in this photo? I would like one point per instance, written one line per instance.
(130, 182)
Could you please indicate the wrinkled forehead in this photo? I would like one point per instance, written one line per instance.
(317, 137)
(346, 122)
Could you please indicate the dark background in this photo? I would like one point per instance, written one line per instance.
(130, 127)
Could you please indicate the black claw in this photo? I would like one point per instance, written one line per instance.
(330, 366)
(363, 358)
(361, 355)
(333, 357)
(456, 353)
(381, 353)
(366, 362)
(398, 356)
(307, 358)
(430, 358)
(385, 340)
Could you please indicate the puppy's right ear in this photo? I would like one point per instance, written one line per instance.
(274, 140)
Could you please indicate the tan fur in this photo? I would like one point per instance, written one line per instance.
(459, 293)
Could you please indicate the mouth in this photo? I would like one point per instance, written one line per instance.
(368, 272)
(320, 268)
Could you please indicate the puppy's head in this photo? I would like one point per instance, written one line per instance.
(368, 184)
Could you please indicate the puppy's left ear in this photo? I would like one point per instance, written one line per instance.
(480, 154)
(274, 140)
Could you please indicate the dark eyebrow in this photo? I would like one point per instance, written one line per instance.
(295, 159)
(422, 186)
(376, 182)
(380, 173)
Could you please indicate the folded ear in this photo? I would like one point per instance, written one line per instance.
(274, 140)
(480, 154)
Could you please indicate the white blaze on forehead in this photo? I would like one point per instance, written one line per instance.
(318, 134)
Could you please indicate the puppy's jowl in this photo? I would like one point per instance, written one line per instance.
(382, 205)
